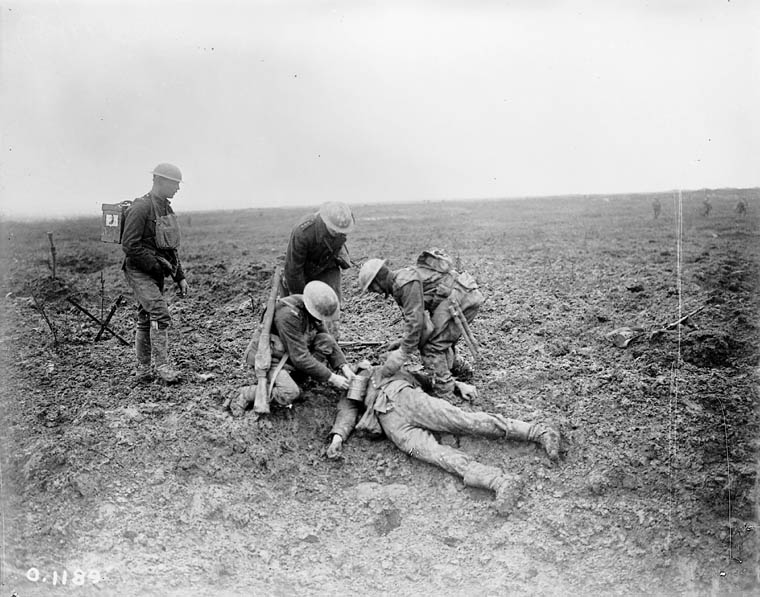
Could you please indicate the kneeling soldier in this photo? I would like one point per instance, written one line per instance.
(301, 342)
(406, 414)
(426, 293)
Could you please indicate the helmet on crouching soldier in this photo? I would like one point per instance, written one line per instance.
(368, 272)
(321, 301)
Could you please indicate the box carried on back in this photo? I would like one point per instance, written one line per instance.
(112, 224)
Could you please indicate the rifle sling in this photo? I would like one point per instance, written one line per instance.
(276, 372)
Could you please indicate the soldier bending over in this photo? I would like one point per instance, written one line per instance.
(426, 292)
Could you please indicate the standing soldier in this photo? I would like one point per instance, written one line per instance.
(316, 251)
(426, 293)
(706, 207)
(741, 207)
(656, 207)
(150, 241)
(300, 341)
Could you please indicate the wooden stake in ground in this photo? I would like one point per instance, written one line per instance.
(41, 308)
(52, 251)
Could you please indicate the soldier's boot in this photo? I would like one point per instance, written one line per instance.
(244, 398)
(544, 435)
(508, 488)
(142, 351)
(159, 344)
(547, 436)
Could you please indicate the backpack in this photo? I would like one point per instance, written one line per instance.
(112, 223)
(436, 260)
(436, 270)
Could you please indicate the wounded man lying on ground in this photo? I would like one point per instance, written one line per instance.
(398, 406)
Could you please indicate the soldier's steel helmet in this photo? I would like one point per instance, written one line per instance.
(368, 272)
(169, 171)
(337, 217)
(321, 301)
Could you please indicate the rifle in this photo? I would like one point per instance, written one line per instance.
(349, 344)
(456, 312)
(263, 360)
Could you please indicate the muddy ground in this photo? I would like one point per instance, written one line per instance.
(142, 489)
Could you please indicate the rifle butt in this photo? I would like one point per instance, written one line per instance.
(261, 400)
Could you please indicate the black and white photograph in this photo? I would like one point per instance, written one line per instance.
(379, 297)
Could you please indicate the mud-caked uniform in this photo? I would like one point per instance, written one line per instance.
(425, 297)
(398, 407)
(313, 253)
(307, 345)
(144, 271)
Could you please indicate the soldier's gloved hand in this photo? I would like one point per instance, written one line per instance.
(394, 362)
(335, 449)
(338, 381)
(183, 287)
(466, 390)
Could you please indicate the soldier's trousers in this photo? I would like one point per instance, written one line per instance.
(415, 414)
(437, 354)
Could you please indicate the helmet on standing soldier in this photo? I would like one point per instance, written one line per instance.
(368, 271)
(337, 217)
(168, 171)
(321, 301)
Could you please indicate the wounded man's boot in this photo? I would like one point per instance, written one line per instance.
(159, 343)
(547, 436)
(542, 434)
(508, 488)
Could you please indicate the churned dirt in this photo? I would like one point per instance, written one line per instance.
(143, 489)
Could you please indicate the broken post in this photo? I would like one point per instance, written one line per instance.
(52, 251)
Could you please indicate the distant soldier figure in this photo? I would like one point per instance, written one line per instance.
(150, 242)
(706, 207)
(316, 251)
(656, 207)
(426, 293)
(299, 339)
(741, 207)
(408, 416)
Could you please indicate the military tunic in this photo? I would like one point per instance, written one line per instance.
(313, 253)
(425, 299)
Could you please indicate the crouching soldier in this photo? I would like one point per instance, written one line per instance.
(302, 345)
(397, 406)
(426, 293)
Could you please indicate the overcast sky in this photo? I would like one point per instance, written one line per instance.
(265, 103)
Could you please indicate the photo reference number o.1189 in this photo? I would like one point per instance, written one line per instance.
(77, 578)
